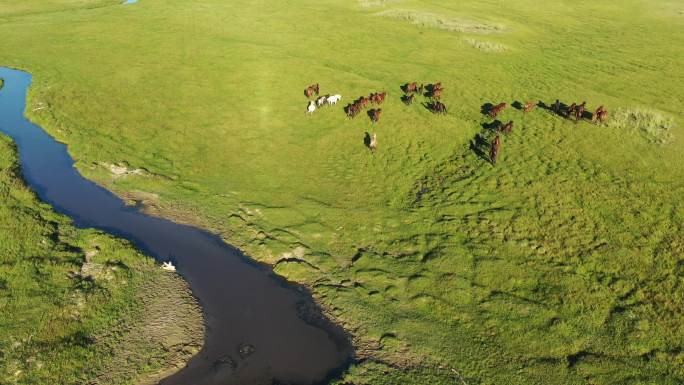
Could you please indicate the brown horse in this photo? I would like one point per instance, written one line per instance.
(436, 93)
(506, 128)
(579, 111)
(571, 110)
(529, 106)
(437, 108)
(311, 90)
(600, 115)
(410, 87)
(494, 150)
(377, 98)
(352, 110)
(496, 110)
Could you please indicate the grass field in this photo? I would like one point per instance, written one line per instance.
(80, 307)
(561, 265)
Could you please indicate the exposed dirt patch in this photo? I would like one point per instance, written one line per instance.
(164, 334)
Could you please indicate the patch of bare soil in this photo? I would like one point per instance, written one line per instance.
(162, 334)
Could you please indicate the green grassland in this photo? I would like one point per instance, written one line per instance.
(561, 265)
(79, 306)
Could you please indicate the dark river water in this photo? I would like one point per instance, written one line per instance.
(245, 304)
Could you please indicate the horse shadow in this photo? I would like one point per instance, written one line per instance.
(587, 115)
(432, 107)
(557, 108)
(367, 140)
(493, 126)
(480, 146)
(408, 99)
(486, 108)
(517, 105)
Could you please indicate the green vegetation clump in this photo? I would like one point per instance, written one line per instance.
(77, 305)
(561, 265)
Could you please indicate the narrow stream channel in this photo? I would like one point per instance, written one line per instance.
(244, 303)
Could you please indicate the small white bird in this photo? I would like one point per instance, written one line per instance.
(168, 266)
(311, 108)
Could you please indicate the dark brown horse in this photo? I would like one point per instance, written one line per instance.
(375, 114)
(352, 110)
(494, 150)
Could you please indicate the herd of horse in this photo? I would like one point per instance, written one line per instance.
(574, 111)
(433, 92)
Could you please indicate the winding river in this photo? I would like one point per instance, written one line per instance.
(244, 303)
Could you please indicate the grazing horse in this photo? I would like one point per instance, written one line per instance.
(311, 107)
(529, 106)
(600, 115)
(375, 114)
(496, 110)
(494, 150)
(506, 128)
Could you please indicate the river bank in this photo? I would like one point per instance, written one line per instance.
(99, 312)
(246, 306)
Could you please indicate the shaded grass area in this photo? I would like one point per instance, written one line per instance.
(562, 264)
(80, 306)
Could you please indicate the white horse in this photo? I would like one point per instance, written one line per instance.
(332, 100)
(321, 101)
(373, 145)
(311, 108)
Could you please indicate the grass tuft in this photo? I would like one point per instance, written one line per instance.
(653, 125)
(433, 20)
